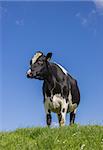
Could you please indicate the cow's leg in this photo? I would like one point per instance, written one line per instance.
(48, 114)
(62, 114)
(48, 119)
(72, 117)
(61, 119)
(72, 106)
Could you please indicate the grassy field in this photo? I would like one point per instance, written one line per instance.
(65, 138)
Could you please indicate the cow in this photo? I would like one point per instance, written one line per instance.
(60, 90)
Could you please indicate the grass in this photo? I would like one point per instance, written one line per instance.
(65, 138)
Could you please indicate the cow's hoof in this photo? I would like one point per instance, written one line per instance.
(62, 123)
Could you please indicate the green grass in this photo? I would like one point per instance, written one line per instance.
(65, 138)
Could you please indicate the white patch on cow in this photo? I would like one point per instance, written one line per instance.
(63, 69)
(55, 103)
(36, 56)
(28, 72)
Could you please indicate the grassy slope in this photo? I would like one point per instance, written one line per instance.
(65, 138)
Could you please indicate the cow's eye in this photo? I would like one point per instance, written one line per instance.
(40, 62)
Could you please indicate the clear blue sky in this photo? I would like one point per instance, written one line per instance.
(73, 31)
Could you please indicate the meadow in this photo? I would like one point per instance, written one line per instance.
(74, 137)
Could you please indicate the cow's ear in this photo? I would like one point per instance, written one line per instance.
(48, 56)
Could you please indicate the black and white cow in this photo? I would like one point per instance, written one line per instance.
(60, 90)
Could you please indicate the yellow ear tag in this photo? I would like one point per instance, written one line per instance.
(48, 59)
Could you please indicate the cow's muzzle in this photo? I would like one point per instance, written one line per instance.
(29, 74)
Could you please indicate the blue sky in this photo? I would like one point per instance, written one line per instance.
(73, 31)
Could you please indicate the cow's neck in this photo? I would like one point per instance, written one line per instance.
(50, 78)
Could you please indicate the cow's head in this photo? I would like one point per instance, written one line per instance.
(39, 66)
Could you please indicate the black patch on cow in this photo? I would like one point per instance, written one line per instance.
(46, 90)
(63, 110)
(56, 89)
(49, 111)
(50, 99)
(65, 90)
